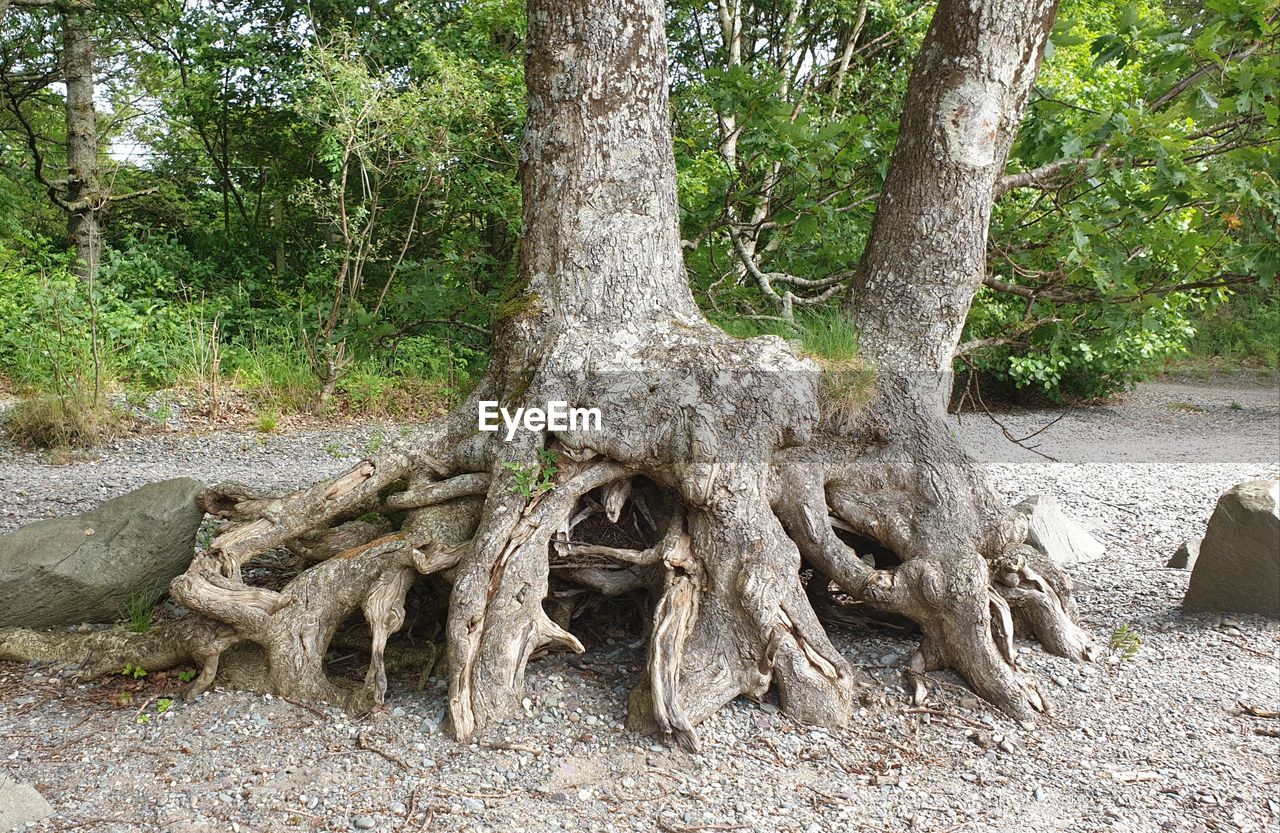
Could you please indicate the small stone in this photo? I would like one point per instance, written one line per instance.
(890, 659)
(584, 794)
(629, 783)
(472, 805)
(1082, 686)
(1039, 794)
(398, 711)
(398, 807)
(363, 823)
(768, 708)
(1060, 681)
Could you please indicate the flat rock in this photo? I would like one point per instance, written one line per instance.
(1239, 564)
(87, 568)
(1059, 538)
(1186, 555)
(20, 804)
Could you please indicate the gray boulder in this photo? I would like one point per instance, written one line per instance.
(20, 805)
(1239, 564)
(1059, 538)
(1186, 555)
(87, 568)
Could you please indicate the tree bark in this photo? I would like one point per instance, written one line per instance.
(926, 256)
(83, 192)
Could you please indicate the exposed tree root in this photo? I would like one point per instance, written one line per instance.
(718, 534)
(97, 653)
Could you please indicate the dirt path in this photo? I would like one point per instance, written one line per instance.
(1152, 744)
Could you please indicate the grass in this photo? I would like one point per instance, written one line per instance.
(140, 612)
(44, 421)
(828, 338)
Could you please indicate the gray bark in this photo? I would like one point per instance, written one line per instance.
(84, 197)
(926, 256)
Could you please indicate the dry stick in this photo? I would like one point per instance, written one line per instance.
(941, 713)
(362, 742)
(973, 380)
(1252, 650)
(1256, 711)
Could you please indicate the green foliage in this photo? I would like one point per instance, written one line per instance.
(187, 675)
(339, 190)
(1242, 331)
(1125, 642)
(534, 479)
(267, 422)
(139, 611)
(134, 672)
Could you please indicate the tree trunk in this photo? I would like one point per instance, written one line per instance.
(927, 253)
(83, 192)
(966, 571)
(737, 457)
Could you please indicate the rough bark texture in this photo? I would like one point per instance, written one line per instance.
(913, 489)
(83, 192)
(927, 253)
(718, 447)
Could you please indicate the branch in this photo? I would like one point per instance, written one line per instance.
(132, 194)
(1040, 177)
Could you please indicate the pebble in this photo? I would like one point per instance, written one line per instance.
(363, 823)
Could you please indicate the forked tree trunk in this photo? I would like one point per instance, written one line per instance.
(718, 447)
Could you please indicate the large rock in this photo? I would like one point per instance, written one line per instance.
(20, 805)
(87, 568)
(1185, 556)
(1061, 539)
(1239, 564)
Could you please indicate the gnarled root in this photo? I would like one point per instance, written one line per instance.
(496, 619)
(728, 495)
(1039, 606)
(951, 601)
(97, 653)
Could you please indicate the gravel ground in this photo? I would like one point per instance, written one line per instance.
(1158, 742)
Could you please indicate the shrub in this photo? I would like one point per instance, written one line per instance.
(52, 422)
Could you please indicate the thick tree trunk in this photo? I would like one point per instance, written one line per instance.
(83, 191)
(924, 262)
(927, 253)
